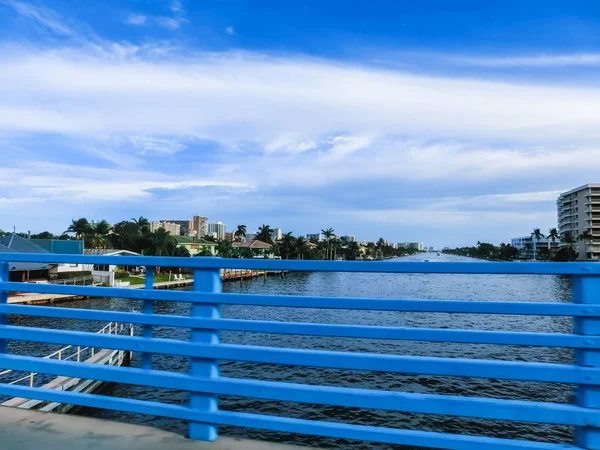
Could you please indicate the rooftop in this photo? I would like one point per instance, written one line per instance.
(20, 244)
(580, 188)
(14, 244)
(255, 244)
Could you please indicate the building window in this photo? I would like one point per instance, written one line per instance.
(101, 268)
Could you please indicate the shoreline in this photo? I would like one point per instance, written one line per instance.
(50, 299)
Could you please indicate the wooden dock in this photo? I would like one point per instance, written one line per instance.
(74, 353)
(227, 275)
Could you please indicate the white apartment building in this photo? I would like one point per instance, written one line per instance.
(276, 234)
(579, 211)
(316, 236)
(417, 245)
(171, 227)
(525, 246)
(348, 238)
(217, 230)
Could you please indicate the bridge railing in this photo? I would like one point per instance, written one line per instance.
(205, 383)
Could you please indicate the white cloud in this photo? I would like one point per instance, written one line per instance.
(49, 181)
(239, 97)
(137, 19)
(168, 22)
(230, 30)
(545, 60)
(314, 123)
(177, 6)
(41, 16)
(148, 144)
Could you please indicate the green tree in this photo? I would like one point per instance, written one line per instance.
(553, 234)
(182, 252)
(587, 238)
(98, 235)
(42, 235)
(352, 251)
(240, 234)
(328, 233)
(301, 247)
(161, 243)
(81, 227)
(224, 248)
(143, 225)
(264, 234)
(379, 246)
(536, 235)
(287, 245)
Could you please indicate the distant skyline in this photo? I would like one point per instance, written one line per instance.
(439, 122)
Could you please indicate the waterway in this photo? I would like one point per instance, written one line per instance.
(386, 286)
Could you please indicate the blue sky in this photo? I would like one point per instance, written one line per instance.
(445, 122)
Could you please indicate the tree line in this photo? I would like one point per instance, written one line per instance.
(135, 235)
(506, 252)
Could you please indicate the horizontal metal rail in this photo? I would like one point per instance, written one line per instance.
(458, 367)
(205, 384)
(538, 412)
(536, 268)
(375, 304)
(314, 329)
(277, 423)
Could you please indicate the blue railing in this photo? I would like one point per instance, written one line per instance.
(204, 350)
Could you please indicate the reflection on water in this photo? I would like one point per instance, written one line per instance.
(406, 286)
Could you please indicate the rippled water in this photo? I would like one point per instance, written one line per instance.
(408, 286)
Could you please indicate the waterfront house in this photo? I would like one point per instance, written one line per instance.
(25, 271)
(258, 249)
(197, 246)
(105, 273)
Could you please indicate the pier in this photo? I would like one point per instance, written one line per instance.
(227, 275)
(86, 355)
(205, 383)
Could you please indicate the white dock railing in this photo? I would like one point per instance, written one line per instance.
(79, 353)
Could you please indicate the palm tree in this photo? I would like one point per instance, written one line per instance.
(80, 227)
(536, 235)
(240, 234)
(287, 244)
(301, 247)
(336, 245)
(328, 233)
(586, 237)
(143, 225)
(161, 243)
(568, 239)
(553, 234)
(264, 234)
(371, 249)
(380, 244)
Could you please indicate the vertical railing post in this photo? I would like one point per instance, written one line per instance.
(4, 277)
(586, 290)
(148, 308)
(205, 280)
